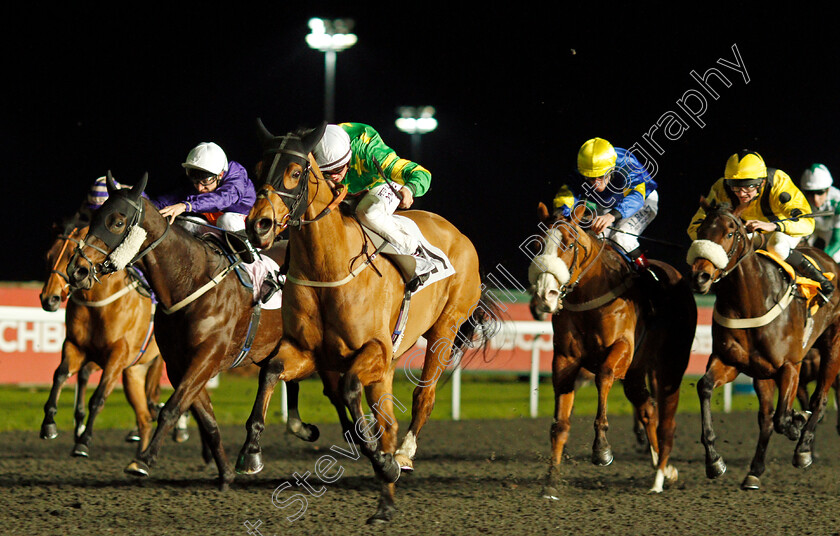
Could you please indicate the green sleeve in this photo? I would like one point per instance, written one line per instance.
(834, 244)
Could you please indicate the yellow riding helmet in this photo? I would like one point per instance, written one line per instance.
(745, 168)
(596, 158)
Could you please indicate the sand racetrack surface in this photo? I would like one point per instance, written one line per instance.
(472, 477)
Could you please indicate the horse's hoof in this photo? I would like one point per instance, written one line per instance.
(249, 464)
(390, 470)
(180, 435)
(132, 436)
(80, 450)
(306, 432)
(383, 515)
(49, 431)
(802, 460)
(602, 458)
(137, 468)
(750, 482)
(406, 463)
(715, 469)
(550, 492)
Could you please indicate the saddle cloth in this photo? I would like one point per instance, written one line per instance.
(406, 263)
(808, 287)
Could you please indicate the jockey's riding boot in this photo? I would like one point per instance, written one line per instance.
(272, 284)
(802, 265)
(422, 269)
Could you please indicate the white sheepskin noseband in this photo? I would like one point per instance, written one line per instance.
(128, 249)
(711, 251)
(552, 264)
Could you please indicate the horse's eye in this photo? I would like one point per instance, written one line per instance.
(730, 235)
(115, 223)
(296, 174)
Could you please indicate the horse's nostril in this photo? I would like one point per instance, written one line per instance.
(263, 225)
(702, 277)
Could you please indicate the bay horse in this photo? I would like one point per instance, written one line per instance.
(764, 339)
(342, 302)
(603, 323)
(108, 327)
(809, 372)
(207, 321)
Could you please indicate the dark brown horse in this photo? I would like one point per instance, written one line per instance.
(766, 336)
(603, 323)
(109, 327)
(342, 302)
(207, 320)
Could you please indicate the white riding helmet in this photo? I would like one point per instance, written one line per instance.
(815, 178)
(333, 151)
(207, 156)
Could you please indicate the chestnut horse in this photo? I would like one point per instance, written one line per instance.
(207, 320)
(603, 323)
(109, 326)
(752, 289)
(342, 302)
(809, 372)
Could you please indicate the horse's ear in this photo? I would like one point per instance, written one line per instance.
(137, 189)
(110, 184)
(263, 133)
(542, 212)
(310, 140)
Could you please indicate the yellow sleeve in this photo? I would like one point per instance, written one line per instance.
(786, 199)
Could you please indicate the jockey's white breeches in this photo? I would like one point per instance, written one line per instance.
(634, 225)
(376, 211)
(781, 244)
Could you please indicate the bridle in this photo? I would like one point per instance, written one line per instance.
(55, 271)
(114, 241)
(741, 237)
(582, 270)
(295, 199)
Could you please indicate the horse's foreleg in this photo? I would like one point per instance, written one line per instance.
(564, 379)
(71, 362)
(79, 400)
(332, 390)
(717, 374)
(620, 354)
(294, 424)
(788, 421)
(384, 465)
(134, 385)
(381, 400)
(211, 437)
(110, 374)
(154, 373)
(645, 412)
(291, 364)
(764, 389)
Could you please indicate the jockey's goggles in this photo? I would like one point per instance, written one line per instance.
(744, 184)
(198, 176)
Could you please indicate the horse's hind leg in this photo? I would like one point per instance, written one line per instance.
(764, 389)
(717, 374)
(828, 374)
(71, 362)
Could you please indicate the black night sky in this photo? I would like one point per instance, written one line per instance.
(132, 88)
